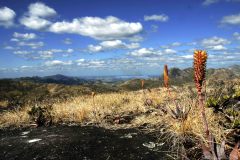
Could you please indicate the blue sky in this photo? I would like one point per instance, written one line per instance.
(127, 37)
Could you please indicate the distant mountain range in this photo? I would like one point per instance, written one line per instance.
(70, 80)
(58, 79)
(177, 76)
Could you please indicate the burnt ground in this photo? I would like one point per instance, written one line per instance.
(79, 142)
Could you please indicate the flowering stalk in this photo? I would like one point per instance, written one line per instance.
(142, 85)
(166, 79)
(199, 65)
(95, 109)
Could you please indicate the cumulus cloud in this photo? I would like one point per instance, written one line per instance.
(236, 35)
(9, 47)
(24, 52)
(93, 48)
(209, 2)
(144, 52)
(111, 45)
(36, 17)
(169, 51)
(188, 56)
(33, 45)
(24, 36)
(48, 54)
(36, 23)
(7, 16)
(108, 28)
(151, 52)
(57, 63)
(42, 54)
(14, 40)
(217, 48)
(176, 44)
(160, 18)
(67, 41)
(39, 9)
(136, 38)
(91, 63)
(231, 19)
(215, 43)
(80, 60)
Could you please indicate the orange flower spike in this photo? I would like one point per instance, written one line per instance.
(93, 94)
(200, 59)
(165, 76)
(142, 83)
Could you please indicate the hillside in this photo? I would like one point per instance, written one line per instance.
(20, 91)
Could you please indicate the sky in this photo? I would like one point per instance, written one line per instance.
(111, 37)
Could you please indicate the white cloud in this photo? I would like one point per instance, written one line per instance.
(169, 51)
(160, 18)
(214, 41)
(36, 23)
(172, 45)
(22, 52)
(24, 36)
(40, 54)
(69, 50)
(44, 55)
(80, 60)
(25, 67)
(58, 63)
(188, 56)
(7, 16)
(48, 54)
(67, 41)
(136, 38)
(217, 48)
(176, 44)
(39, 9)
(14, 40)
(144, 52)
(33, 45)
(36, 17)
(209, 2)
(98, 28)
(9, 48)
(110, 45)
(236, 35)
(118, 44)
(154, 28)
(150, 52)
(96, 63)
(93, 48)
(231, 19)
(91, 63)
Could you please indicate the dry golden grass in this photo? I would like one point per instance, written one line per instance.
(3, 104)
(81, 109)
(15, 118)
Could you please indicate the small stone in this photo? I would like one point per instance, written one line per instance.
(149, 145)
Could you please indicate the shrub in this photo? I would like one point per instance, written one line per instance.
(41, 115)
